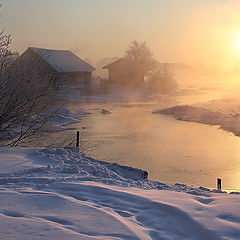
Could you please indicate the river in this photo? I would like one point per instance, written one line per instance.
(171, 151)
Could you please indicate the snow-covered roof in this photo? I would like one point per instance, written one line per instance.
(63, 60)
(116, 62)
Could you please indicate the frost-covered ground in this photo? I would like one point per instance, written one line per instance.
(222, 112)
(61, 194)
(63, 117)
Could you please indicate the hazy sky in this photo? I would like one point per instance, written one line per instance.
(203, 31)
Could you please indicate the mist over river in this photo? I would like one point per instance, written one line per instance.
(171, 151)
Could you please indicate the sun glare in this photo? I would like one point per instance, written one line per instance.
(237, 44)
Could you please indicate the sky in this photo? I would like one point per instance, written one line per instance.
(189, 31)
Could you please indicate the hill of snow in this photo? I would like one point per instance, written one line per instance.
(226, 121)
(62, 194)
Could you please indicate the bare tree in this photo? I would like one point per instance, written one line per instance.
(159, 77)
(27, 93)
(162, 80)
(140, 57)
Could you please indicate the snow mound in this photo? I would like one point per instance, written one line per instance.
(228, 122)
(64, 117)
(67, 164)
(62, 194)
(105, 111)
(88, 210)
(81, 111)
(40, 166)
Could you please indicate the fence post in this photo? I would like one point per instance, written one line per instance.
(219, 184)
(78, 139)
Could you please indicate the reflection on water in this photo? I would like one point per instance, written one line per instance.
(170, 150)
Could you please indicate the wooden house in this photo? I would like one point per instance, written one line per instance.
(124, 72)
(70, 70)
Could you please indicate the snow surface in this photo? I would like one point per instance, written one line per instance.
(63, 60)
(64, 117)
(62, 194)
(227, 121)
(105, 111)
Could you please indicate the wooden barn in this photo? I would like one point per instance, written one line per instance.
(70, 70)
(123, 72)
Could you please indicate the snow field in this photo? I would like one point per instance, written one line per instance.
(61, 194)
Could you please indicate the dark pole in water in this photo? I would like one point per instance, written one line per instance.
(219, 184)
(78, 138)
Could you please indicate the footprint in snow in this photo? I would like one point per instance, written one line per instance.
(205, 201)
(124, 213)
(11, 213)
(229, 218)
(56, 220)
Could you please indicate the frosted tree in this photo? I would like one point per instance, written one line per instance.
(26, 95)
(162, 80)
(141, 57)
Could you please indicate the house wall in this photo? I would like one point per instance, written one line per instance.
(31, 60)
(80, 81)
(125, 76)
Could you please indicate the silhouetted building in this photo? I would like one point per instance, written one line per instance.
(70, 70)
(124, 72)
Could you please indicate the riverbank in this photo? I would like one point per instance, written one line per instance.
(59, 193)
(228, 122)
(157, 143)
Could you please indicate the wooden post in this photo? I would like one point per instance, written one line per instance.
(78, 139)
(219, 184)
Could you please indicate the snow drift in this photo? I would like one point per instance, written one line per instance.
(62, 194)
(229, 122)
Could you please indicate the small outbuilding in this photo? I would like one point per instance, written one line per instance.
(124, 72)
(70, 70)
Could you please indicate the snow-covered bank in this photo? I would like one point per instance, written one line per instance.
(61, 194)
(27, 167)
(63, 117)
(88, 210)
(226, 121)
